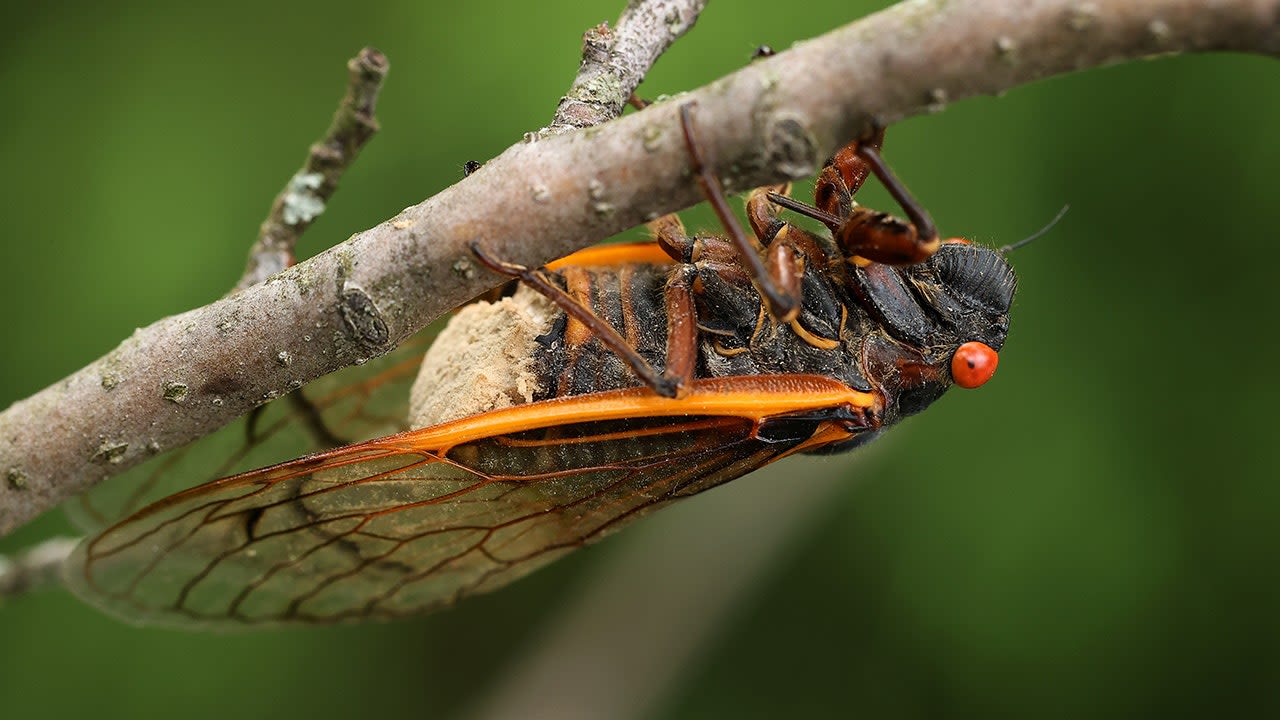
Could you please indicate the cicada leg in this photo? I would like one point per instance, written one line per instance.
(762, 212)
(777, 279)
(682, 334)
(669, 233)
(773, 231)
(861, 232)
(842, 175)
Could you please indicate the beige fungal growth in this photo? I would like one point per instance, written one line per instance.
(483, 360)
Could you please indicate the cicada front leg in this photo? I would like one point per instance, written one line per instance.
(861, 232)
(842, 175)
(763, 214)
(762, 211)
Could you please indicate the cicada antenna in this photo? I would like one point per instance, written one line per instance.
(1035, 235)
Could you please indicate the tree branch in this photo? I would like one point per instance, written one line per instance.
(773, 120)
(615, 61)
(304, 196)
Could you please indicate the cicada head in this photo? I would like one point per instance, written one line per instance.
(941, 322)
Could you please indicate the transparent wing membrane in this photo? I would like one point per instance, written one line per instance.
(389, 528)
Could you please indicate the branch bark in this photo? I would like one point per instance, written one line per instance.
(773, 120)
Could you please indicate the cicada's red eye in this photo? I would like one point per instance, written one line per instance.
(973, 364)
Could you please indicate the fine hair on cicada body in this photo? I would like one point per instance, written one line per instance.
(609, 384)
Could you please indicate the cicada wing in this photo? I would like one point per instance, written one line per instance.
(353, 404)
(402, 525)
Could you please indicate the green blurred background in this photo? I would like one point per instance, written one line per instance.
(1092, 534)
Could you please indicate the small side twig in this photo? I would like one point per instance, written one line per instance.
(614, 62)
(36, 568)
(304, 196)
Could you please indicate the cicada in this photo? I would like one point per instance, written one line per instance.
(607, 385)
